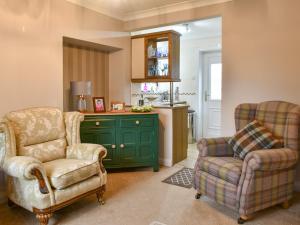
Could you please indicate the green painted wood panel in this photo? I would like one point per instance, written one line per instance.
(131, 140)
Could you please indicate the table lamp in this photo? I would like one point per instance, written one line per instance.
(81, 89)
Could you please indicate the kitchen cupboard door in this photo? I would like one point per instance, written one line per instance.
(138, 58)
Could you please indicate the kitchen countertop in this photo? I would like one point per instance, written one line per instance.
(119, 113)
(170, 107)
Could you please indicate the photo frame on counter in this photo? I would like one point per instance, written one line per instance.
(99, 104)
(117, 106)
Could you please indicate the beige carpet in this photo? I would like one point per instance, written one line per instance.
(138, 197)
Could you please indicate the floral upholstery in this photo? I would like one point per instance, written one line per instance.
(20, 166)
(2, 147)
(84, 151)
(39, 131)
(65, 172)
(48, 141)
(62, 195)
(265, 177)
(72, 122)
(37, 125)
(41, 151)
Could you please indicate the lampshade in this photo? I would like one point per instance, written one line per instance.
(81, 87)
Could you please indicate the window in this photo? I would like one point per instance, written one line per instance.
(216, 81)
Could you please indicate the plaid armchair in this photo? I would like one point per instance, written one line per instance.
(265, 177)
(46, 165)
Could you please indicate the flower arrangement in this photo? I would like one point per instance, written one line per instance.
(145, 108)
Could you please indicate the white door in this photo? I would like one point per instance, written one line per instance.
(212, 94)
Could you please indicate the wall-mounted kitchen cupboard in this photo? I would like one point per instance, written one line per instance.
(155, 57)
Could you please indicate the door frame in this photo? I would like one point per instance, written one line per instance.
(201, 94)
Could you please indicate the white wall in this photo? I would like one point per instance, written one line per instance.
(191, 72)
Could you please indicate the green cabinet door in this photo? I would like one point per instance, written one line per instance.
(128, 139)
(107, 138)
(88, 136)
(146, 144)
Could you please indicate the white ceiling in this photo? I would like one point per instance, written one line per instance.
(207, 28)
(135, 9)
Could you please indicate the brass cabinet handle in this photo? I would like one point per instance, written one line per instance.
(122, 145)
(97, 123)
(113, 146)
(137, 122)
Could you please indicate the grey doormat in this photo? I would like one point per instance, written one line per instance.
(182, 178)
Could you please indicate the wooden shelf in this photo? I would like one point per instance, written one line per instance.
(165, 57)
(155, 80)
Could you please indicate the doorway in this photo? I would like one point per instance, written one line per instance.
(212, 94)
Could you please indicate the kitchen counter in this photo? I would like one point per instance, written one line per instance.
(163, 106)
(173, 133)
(119, 113)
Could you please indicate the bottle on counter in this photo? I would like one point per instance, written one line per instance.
(141, 100)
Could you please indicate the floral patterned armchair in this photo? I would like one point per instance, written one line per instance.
(46, 165)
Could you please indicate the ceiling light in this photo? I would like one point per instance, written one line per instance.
(187, 27)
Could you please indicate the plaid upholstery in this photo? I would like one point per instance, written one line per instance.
(267, 177)
(252, 137)
(214, 147)
(273, 159)
(226, 168)
(244, 114)
(221, 191)
(282, 119)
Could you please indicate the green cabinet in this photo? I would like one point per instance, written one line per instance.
(131, 140)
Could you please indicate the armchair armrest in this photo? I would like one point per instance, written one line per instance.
(29, 168)
(272, 159)
(214, 147)
(87, 152)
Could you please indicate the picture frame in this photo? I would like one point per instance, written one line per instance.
(99, 104)
(117, 106)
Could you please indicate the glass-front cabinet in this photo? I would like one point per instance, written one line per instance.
(155, 57)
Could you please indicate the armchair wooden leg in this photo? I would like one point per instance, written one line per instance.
(286, 204)
(198, 195)
(43, 218)
(100, 197)
(242, 219)
(10, 203)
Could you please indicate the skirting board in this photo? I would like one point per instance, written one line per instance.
(166, 162)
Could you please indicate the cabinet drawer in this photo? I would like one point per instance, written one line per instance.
(100, 123)
(137, 122)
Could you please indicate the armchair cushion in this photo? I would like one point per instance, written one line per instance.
(46, 151)
(252, 137)
(226, 168)
(65, 172)
(37, 125)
